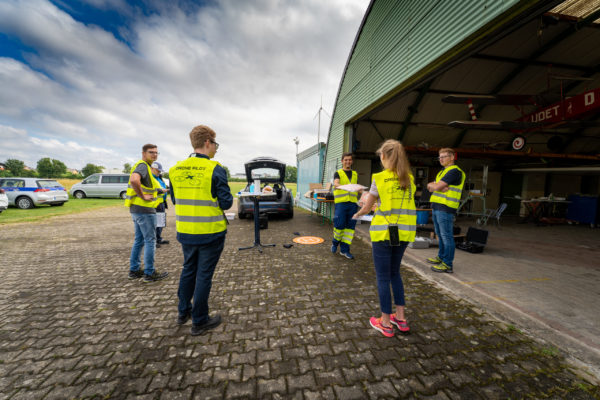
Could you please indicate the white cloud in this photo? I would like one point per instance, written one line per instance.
(254, 71)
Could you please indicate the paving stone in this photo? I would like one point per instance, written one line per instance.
(95, 333)
(241, 390)
(305, 381)
(227, 374)
(349, 392)
(103, 389)
(270, 386)
(381, 389)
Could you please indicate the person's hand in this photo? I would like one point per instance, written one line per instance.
(147, 197)
(445, 189)
(356, 216)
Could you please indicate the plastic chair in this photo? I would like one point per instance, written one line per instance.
(492, 214)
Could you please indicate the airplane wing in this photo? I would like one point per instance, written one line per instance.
(494, 125)
(499, 99)
(521, 125)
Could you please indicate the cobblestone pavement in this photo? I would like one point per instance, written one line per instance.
(295, 324)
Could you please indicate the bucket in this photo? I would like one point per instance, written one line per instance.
(422, 217)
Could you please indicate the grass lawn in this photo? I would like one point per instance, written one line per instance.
(13, 214)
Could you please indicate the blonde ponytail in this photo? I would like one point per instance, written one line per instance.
(396, 160)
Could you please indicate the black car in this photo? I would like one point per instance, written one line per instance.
(271, 172)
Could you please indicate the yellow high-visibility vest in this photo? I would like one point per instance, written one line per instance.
(451, 198)
(397, 208)
(197, 211)
(132, 198)
(341, 196)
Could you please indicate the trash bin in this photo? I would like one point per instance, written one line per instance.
(422, 217)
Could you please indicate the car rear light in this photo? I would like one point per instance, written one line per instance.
(41, 190)
(1, 190)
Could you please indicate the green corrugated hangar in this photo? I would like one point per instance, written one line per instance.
(514, 61)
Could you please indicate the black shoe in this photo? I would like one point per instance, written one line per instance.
(161, 241)
(156, 276)
(182, 319)
(157, 245)
(136, 274)
(213, 322)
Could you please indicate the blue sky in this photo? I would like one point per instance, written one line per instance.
(91, 81)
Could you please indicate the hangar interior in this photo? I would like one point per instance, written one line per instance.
(552, 57)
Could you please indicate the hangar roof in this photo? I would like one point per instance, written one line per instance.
(548, 53)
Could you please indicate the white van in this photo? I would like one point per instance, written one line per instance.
(101, 185)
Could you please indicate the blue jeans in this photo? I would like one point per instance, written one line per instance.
(443, 223)
(145, 236)
(387, 261)
(199, 262)
(342, 220)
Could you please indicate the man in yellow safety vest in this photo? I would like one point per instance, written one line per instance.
(200, 192)
(346, 205)
(445, 199)
(142, 197)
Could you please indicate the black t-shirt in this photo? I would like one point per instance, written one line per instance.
(348, 173)
(452, 177)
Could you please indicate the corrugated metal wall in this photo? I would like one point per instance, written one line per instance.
(399, 40)
(310, 170)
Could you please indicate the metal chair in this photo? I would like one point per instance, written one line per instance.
(496, 213)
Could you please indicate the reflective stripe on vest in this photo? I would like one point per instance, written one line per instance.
(131, 197)
(197, 212)
(341, 196)
(451, 198)
(397, 208)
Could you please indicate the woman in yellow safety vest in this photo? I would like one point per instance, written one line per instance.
(393, 226)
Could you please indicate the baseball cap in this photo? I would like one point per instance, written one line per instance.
(157, 165)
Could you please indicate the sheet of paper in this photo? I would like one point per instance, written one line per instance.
(352, 187)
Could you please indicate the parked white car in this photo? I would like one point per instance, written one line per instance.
(31, 192)
(3, 200)
(101, 185)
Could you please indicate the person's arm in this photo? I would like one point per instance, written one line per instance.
(440, 186)
(136, 185)
(366, 208)
(336, 180)
(172, 194)
(220, 188)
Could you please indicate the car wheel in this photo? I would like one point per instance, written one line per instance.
(123, 195)
(291, 213)
(79, 195)
(242, 215)
(24, 203)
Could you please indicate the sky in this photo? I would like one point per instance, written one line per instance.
(92, 81)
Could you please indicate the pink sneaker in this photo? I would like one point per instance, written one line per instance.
(376, 323)
(401, 324)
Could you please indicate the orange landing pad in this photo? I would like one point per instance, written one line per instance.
(308, 240)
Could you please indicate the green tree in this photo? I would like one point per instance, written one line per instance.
(290, 174)
(16, 167)
(228, 174)
(90, 169)
(50, 168)
(126, 168)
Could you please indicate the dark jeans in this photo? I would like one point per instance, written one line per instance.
(443, 224)
(387, 261)
(344, 224)
(199, 262)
